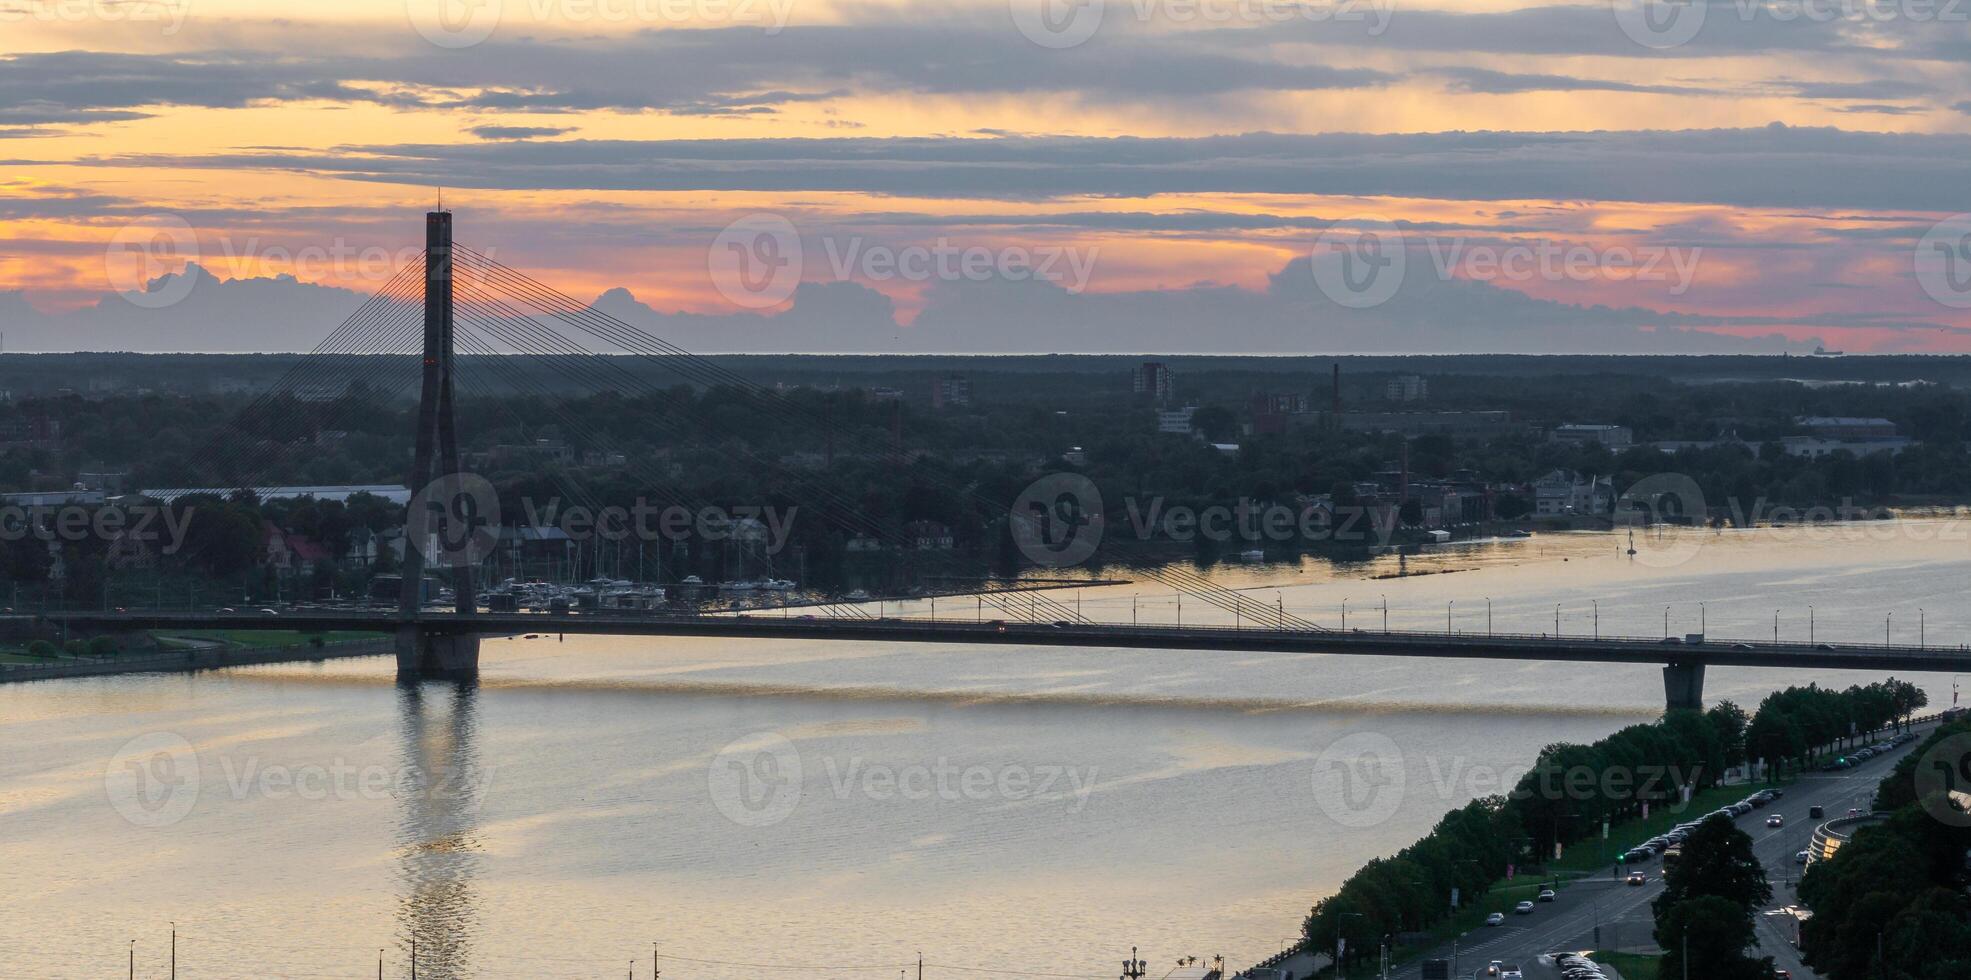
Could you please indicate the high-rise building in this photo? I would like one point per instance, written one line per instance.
(1406, 388)
(1152, 380)
(951, 391)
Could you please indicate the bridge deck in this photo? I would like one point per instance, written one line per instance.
(1498, 646)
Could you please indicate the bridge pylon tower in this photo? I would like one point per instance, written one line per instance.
(424, 652)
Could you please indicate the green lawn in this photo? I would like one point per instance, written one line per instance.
(263, 639)
(1633, 966)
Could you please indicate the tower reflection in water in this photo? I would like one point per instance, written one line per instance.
(439, 794)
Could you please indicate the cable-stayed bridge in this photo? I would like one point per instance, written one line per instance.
(460, 306)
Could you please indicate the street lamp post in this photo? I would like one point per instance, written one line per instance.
(1810, 626)
(1344, 614)
(1488, 615)
(1885, 628)
(1775, 627)
(1385, 613)
(1556, 620)
(1920, 644)
(1447, 614)
(1703, 617)
(1340, 945)
(1666, 622)
(1597, 604)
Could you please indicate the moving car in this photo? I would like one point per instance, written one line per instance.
(1496, 919)
(1800, 858)
(1637, 879)
(1546, 895)
(1523, 908)
(1775, 821)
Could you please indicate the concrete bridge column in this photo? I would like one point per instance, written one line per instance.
(1683, 684)
(423, 655)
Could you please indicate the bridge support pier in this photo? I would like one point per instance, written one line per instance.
(1683, 686)
(423, 655)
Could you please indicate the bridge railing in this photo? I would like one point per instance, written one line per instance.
(1666, 648)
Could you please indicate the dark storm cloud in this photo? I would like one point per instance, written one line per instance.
(1774, 166)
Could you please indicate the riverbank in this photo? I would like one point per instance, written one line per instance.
(205, 657)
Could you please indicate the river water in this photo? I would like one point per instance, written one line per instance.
(831, 810)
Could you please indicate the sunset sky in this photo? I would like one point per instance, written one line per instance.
(1724, 175)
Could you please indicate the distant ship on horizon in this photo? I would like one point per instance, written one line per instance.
(1824, 352)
